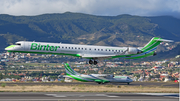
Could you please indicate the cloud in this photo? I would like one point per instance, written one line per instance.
(95, 7)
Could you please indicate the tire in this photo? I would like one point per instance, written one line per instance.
(90, 62)
(95, 62)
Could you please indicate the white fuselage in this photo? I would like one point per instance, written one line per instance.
(79, 50)
(91, 52)
(106, 77)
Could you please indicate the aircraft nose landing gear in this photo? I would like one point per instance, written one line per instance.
(93, 62)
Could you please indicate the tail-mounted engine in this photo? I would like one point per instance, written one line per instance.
(132, 50)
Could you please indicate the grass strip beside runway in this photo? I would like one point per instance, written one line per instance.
(90, 88)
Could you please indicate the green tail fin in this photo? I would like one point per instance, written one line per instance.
(69, 70)
(153, 43)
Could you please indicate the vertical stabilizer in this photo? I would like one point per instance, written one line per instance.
(69, 70)
(153, 43)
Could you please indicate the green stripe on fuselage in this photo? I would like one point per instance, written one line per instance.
(76, 55)
(143, 56)
(11, 46)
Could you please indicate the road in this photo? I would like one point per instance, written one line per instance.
(163, 84)
(85, 96)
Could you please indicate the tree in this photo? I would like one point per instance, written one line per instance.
(137, 75)
(2, 63)
(170, 71)
(157, 76)
(163, 79)
(1, 76)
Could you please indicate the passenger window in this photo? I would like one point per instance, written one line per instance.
(62, 47)
(89, 48)
(101, 49)
(109, 50)
(85, 48)
(106, 49)
(98, 49)
(72, 47)
(69, 48)
(95, 49)
(78, 48)
(82, 48)
(75, 48)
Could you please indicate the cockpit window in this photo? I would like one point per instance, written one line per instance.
(128, 78)
(18, 44)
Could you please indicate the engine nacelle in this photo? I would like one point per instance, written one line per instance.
(133, 50)
(110, 76)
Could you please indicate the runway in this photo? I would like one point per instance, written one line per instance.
(162, 84)
(85, 96)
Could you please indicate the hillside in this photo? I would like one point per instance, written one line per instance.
(121, 30)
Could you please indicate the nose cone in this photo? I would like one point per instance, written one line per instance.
(11, 47)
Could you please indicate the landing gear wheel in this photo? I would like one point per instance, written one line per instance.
(128, 83)
(95, 62)
(90, 62)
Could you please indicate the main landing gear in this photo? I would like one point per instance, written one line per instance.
(13, 55)
(93, 62)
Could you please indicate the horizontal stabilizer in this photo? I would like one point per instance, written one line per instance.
(66, 76)
(164, 40)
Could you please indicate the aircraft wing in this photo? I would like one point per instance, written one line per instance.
(96, 56)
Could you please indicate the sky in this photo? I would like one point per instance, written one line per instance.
(94, 7)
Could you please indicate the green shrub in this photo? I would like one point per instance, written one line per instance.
(3, 84)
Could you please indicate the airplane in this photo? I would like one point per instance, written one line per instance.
(98, 78)
(91, 52)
